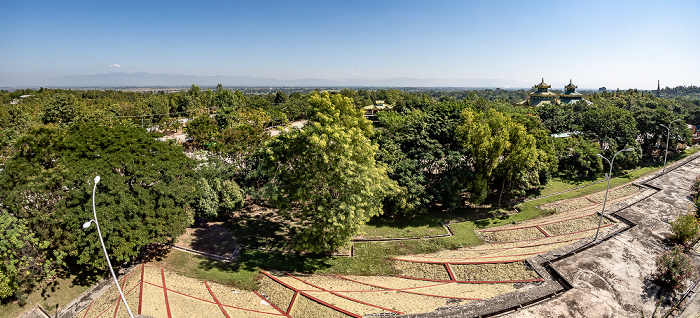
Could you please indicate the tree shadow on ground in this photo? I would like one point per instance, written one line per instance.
(209, 237)
(437, 215)
(258, 226)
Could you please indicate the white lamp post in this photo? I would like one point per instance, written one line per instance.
(607, 176)
(668, 136)
(104, 249)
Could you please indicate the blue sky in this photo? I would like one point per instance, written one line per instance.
(617, 44)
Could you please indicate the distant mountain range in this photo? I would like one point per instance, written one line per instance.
(141, 79)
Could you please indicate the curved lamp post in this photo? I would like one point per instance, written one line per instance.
(99, 234)
(668, 136)
(607, 176)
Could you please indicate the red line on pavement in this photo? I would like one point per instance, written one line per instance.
(541, 238)
(311, 297)
(211, 302)
(477, 281)
(271, 304)
(216, 300)
(541, 230)
(461, 263)
(143, 268)
(342, 296)
(508, 229)
(405, 290)
(441, 296)
(117, 307)
(289, 308)
(449, 271)
(165, 292)
(88, 309)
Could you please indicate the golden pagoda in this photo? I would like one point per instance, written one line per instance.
(543, 96)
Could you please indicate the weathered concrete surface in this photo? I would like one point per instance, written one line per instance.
(612, 279)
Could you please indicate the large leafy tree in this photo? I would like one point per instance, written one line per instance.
(325, 174)
(143, 198)
(424, 156)
(21, 259)
(496, 146)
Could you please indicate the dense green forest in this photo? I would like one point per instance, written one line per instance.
(435, 148)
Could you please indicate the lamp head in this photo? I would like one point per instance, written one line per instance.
(599, 155)
(629, 149)
(87, 224)
(97, 179)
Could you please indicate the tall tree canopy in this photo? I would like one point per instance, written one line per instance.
(325, 174)
(495, 145)
(143, 198)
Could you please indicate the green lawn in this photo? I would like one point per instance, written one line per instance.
(557, 185)
(56, 295)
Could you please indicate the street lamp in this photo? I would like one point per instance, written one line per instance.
(668, 136)
(99, 234)
(607, 176)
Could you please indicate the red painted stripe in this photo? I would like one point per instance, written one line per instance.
(179, 293)
(541, 230)
(500, 281)
(343, 296)
(271, 304)
(289, 308)
(211, 302)
(449, 271)
(541, 238)
(440, 296)
(117, 307)
(216, 300)
(321, 302)
(387, 288)
(461, 263)
(476, 281)
(165, 292)
(311, 297)
(143, 268)
(88, 309)
(508, 229)
(405, 290)
(116, 303)
(539, 224)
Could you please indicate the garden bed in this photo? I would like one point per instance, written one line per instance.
(616, 193)
(305, 307)
(422, 270)
(278, 294)
(403, 302)
(575, 225)
(515, 271)
(512, 235)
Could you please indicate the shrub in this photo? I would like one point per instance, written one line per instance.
(695, 194)
(685, 229)
(673, 268)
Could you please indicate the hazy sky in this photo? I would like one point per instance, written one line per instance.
(617, 44)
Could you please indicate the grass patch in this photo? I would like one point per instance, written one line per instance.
(561, 184)
(52, 296)
(396, 227)
(530, 207)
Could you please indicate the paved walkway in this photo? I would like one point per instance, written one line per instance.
(612, 279)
